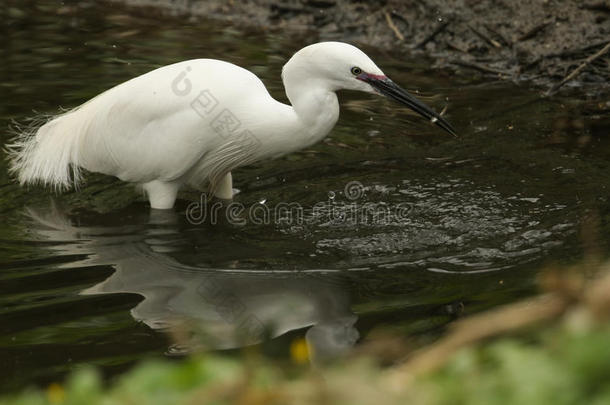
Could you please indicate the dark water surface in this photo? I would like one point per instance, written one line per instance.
(394, 224)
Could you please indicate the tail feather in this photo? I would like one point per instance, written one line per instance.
(45, 151)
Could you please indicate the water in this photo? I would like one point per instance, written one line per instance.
(392, 224)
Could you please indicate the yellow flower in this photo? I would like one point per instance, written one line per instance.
(55, 393)
(299, 351)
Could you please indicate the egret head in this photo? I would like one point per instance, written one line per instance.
(337, 65)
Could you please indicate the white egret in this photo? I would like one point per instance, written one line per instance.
(193, 122)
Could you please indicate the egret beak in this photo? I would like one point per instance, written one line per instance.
(391, 90)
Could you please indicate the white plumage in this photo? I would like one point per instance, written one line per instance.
(194, 121)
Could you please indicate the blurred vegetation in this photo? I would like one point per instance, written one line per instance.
(557, 366)
(550, 349)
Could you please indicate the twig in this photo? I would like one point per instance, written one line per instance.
(572, 52)
(563, 54)
(491, 41)
(456, 47)
(499, 34)
(434, 33)
(479, 327)
(534, 31)
(572, 293)
(579, 69)
(393, 26)
(399, 16)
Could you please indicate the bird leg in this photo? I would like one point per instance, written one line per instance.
(161, 194)
(224, 188)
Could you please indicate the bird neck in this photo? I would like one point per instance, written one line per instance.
(315, 105)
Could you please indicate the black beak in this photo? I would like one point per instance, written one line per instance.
(393, 91)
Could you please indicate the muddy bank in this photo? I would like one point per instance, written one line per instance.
(538, 40)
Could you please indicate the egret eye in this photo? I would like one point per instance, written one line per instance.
(356, 70)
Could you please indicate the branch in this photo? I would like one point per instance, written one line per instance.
(579, 69)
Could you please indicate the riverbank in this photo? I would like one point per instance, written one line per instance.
(540, 41)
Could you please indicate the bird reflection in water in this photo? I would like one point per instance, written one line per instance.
(204, 308)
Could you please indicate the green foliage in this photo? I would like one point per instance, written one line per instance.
(562, 368)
